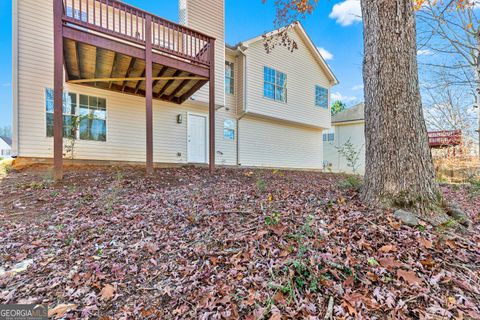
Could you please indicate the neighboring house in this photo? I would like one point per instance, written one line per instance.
(348, 125)
(5, 147)
(269, 110)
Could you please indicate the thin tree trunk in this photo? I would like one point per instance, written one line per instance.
(399, 167)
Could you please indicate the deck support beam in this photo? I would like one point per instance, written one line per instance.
(58, 90)
(211, 111)
(149, 92)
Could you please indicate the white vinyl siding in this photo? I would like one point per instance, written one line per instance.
(303, 72)
(207, 16)
(262, 142)
(353, 132)
(126, 113)
(266, 143)
(240, 83)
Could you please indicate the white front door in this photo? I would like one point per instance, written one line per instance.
(197, 138)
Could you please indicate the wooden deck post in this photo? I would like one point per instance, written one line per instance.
(58, 90)
(211, 117)
(149, 92)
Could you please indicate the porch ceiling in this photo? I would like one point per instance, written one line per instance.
(115, 70)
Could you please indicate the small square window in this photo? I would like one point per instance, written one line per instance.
(229, 129)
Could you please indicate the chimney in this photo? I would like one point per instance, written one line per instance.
(208, 17)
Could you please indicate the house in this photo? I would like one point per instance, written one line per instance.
(136, 87)
(347, 126)
(5, 147)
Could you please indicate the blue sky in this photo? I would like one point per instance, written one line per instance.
(334, 26)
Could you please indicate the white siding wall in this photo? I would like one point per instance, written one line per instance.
(226, 148)
(354, 132)
(240, 83)
(303, 73)
(125, 113)
(207, 16)
(268, 143)
(261, 142)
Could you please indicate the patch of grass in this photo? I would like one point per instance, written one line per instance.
(442, 179)
(261, 184)
(351, 182)
(34, 185)
(444, 227)
(286, 289)
(421, 228)
(304, 232)
(304, 276)
(5, 167)
(273, 219)
(474, 186)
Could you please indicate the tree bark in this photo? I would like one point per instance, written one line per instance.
(399, 168)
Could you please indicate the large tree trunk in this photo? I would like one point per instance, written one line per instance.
(399, 168)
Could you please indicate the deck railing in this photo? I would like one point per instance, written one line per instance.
(120, 20)
(441, 139)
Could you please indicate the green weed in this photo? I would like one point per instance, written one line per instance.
(261, 184)
(351, 182)
(273, 219)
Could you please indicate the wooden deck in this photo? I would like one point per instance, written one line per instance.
(126, 74)
(110, 45)
(104, 47)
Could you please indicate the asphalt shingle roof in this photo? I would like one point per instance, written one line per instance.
(7, 140)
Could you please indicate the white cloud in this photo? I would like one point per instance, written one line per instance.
(346, 99)
(327, 55)
(357, 87)
(424, 52)
(347, 12)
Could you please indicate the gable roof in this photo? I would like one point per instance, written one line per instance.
(7, 140)
(355, 113)
(304, 35)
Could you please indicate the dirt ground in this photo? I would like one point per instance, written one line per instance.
(262, 244)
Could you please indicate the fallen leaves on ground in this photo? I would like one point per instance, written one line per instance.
(243, 244)
(107, 292)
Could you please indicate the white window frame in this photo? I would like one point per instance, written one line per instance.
(329, 136)
(316, 96)
(276, 86)
(232, 128)
(77, 114)
(231, 78)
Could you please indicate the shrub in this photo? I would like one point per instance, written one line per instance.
(351, 155)
(353, 182)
